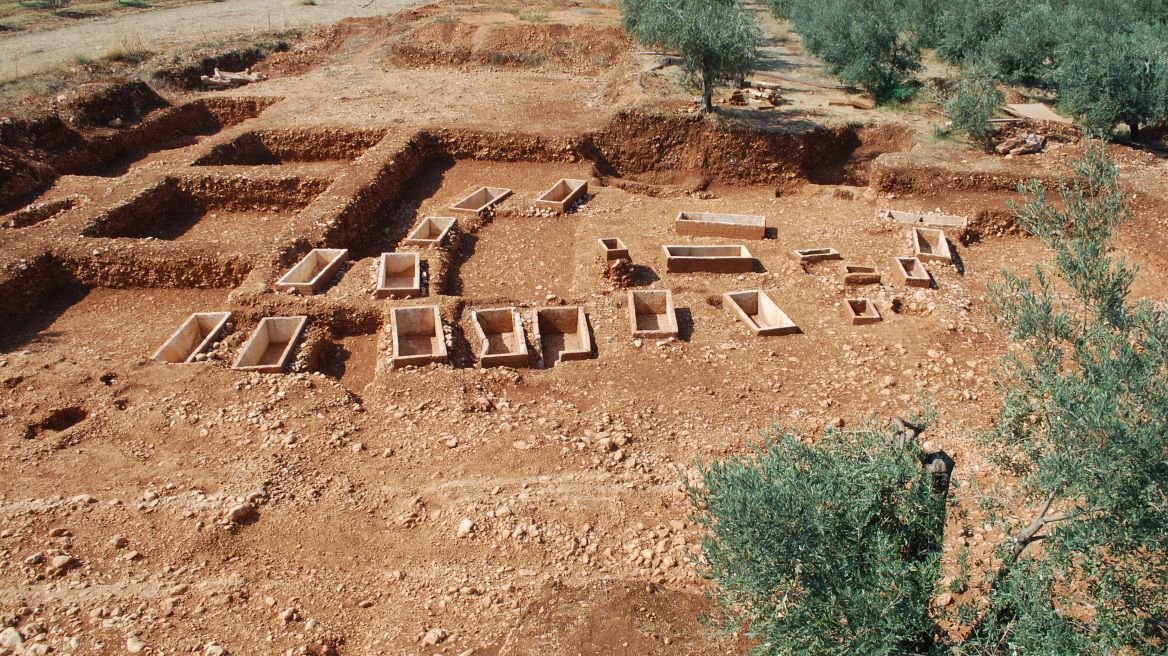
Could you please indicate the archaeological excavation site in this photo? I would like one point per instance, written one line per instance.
(411, 347)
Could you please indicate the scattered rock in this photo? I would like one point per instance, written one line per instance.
(465, 528)
(63, 562)
(10, 637)
(240, 513)
(435, 636)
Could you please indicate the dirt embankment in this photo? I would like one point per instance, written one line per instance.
(99, 123)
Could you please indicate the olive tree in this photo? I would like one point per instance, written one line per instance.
(828, 549)
(1116, 77)
(833, 548)
(861, 41)
(1085, 424)
(718, 38)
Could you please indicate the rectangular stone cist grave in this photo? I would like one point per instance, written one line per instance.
(430, 233)
(711, 259)
(613, 249)
(501, 336)
(418, 339)
(481, 200)
(314, 271)
(910, 272)
(861, 311)
(561, 196)
(734, 226)
(399, 275)
(931, 246)
(813, 255)
(561, 334)
(955, 224)
(271, 345)
(760, 314)
(651, 313)
(193, 337)
(856, 274)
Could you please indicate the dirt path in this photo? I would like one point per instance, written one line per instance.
(22, 54)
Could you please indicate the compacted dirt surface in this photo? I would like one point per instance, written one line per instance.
(348, 506)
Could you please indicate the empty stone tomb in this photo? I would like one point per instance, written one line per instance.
(314, 271)
(502, 340)
(931, 245)
(910, 272)
(418, 338)
(193, 337)
(861, 311)
(813, 255)
(613, 249)
(561, 196)
(856, 274)
(734, 226)
(481, 200)
(651, 313)
(955, 224)
(399, 275)
(561, 334)
(760, 314)
(430, 233)
(710, 259)
(271, 345)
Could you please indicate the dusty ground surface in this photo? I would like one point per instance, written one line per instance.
(345, 506)
(46, 44)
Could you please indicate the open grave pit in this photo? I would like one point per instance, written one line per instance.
(232, 210)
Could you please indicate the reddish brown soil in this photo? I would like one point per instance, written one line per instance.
(361, 474)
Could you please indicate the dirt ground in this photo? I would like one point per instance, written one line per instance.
(346, 506)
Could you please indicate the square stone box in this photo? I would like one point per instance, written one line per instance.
(613, 249)
(857, 274)
(418, 338)
(651, 313)
(430, 233)
(561, 196)
(481, 200)
(931, 245)
(759, 312)
(861, 311)
(911, 272)
(193, 337)
(399, 275)
(561, 334)
(314, 271)
(271, 345)
(502, 340)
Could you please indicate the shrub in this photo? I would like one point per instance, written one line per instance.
(826, 549)
(975, 100)
(861, 41)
